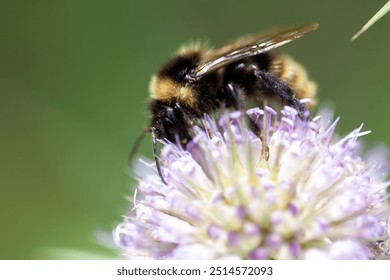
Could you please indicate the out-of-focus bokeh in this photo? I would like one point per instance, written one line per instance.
(74, 80)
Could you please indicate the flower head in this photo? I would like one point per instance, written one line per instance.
(293, 192)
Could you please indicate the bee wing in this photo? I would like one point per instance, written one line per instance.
(249, 46)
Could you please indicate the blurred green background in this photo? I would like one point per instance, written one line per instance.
(74, 80)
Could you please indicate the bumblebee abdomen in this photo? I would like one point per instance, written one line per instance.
(295, 75)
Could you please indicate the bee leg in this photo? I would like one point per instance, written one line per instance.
(234, 100)
(154, 142)
(272, 84)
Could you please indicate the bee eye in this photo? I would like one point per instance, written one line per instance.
(169, 120)
(169, 114)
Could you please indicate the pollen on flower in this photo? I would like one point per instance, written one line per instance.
(292, 192)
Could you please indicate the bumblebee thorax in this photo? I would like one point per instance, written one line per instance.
(168, 91)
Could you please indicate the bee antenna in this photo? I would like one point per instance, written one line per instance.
(137, 143)
(154, 142)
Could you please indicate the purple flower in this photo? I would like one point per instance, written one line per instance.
(295, 192)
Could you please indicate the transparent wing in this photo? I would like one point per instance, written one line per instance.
(249, 46)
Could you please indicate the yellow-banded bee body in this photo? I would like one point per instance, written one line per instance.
(200, 81)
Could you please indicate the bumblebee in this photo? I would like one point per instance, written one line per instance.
(200, 81)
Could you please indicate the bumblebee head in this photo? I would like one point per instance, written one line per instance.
(170, 122)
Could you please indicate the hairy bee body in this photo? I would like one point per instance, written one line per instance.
(201, 80)
(177, 102)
